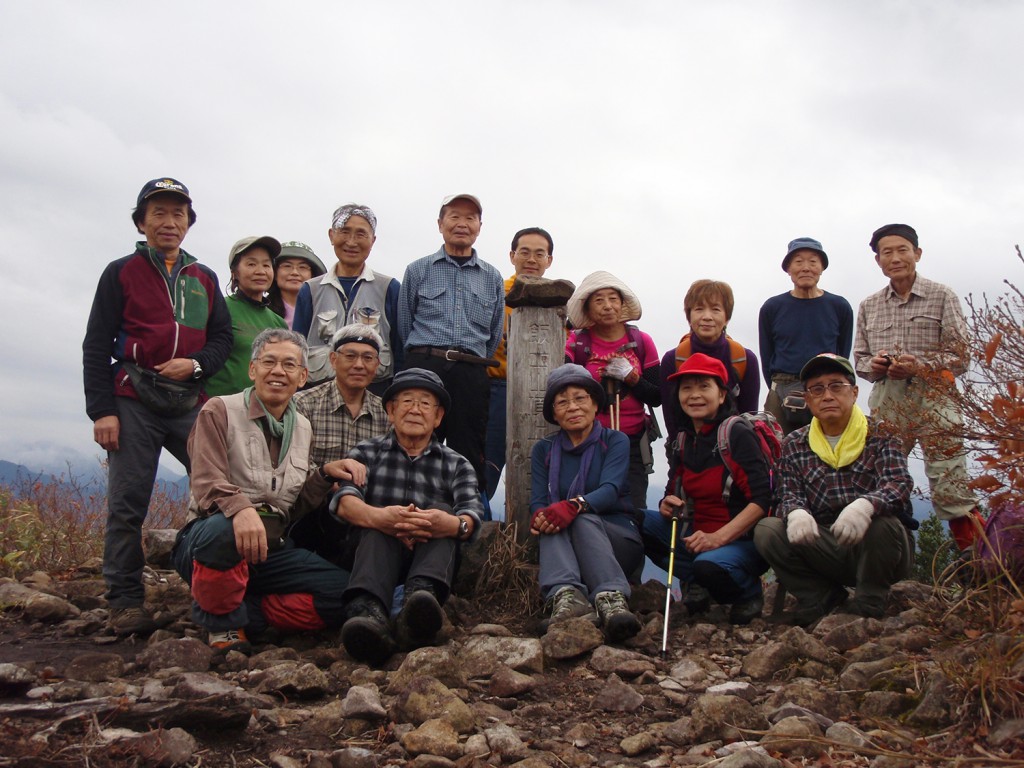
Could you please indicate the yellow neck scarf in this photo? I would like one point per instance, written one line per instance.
(850, 445)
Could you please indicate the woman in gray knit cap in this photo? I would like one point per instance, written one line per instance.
(580, 509)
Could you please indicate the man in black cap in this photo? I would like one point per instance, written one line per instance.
(797, 325)
(910, 345)
(157, 330)
(843, 503)
(420, 500)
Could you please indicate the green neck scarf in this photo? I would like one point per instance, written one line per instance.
(281, 429)
(850, 445)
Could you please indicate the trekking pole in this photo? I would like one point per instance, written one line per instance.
(611, 389)
(668, 584)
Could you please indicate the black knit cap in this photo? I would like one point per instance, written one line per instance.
(899, 230)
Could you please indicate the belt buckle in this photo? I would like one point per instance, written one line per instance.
(448, 359)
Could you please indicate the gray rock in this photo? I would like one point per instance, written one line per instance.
(430, 662)
(846, 636)
(607, 659)
(811, 695)
(1007, 732)
(794, 737)
(272, 657)
(354, 757)
(427, 698)
(495, 630)
(581, 734)
(431, 761)
(638, 743)
(49, 609)
(325, 720)
(15, 680)
(473, 557)
(723, 717)
(793, 710)
(280, 760)
(433, 737)
(848, 735)
(476, 746)
(504, 742)
(752, 757)
(617, 696)
(158, 543)
(691, 671)
(883, 704)
(363, 701)
(507, 682)
(766, 661)
(165, 748)
(304, 681)
(197, 685)
(187, 653)
(735, 688)
(858, 676)
(95, 667)
(481, 655)
(15, 595)
(935, 709)
(572, 638)
(808, 646)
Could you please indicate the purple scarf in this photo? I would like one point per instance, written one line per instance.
(561, 444)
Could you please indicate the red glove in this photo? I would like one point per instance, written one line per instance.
(560, 513)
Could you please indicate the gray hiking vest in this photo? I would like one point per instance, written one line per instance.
(332, 311)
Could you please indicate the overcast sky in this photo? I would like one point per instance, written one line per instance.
(662, 141)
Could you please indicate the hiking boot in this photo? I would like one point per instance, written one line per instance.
(230, 640)
(696, 599)
(567, 603)
(135, 620)
(421, 617)
(532, 291)
(365, 634)
(869, 607)
(805, 615)
(745, 612)
(619, 622)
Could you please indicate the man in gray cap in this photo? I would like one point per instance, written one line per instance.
(910, 345)
(157, 330)
(797, 325)
(843, 511)
(350, 293)
(420, 500)
(451, 313)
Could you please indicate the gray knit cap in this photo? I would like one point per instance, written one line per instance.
(570, 375)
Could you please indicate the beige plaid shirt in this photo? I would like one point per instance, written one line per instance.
(335, 432)
(928, 324)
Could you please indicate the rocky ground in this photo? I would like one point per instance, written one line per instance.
(902, 691)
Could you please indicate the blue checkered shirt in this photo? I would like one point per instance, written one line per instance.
(453, 306)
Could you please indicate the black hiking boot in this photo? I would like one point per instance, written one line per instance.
(365, 634)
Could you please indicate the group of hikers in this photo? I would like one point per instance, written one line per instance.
(344, 431)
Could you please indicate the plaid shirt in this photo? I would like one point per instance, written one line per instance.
(804, 481)
(335, 432)
(439, 475)
(928, 324)
(455, 306)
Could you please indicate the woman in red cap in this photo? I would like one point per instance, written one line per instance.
(715, 556)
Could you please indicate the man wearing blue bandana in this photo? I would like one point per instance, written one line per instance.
(843, 503)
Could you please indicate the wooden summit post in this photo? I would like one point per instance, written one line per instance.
(536, 346)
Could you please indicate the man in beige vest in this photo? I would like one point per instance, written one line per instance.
(251, 479)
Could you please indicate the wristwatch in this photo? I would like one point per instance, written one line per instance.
(583, 504)
(197, 369)
(463, 529)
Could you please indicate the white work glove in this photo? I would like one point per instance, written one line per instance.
(852, 523)
(618, 368)
(801, 528)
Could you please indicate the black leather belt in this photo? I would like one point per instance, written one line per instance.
(454, 356)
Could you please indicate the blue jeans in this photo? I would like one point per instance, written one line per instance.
(740, 560)
(593, 554)
(131, 472)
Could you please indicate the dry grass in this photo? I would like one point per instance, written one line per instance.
(55, 525)
(507, 586)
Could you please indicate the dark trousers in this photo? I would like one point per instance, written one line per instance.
(382, 562)
(309, 588)
(464, 427)
(131, 472)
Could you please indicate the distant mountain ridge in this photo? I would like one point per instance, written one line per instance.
(13, 474)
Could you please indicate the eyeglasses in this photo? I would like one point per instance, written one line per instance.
(835, 387)
(270, 363)
(368, 358)
(408, 403)
(580, 401)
